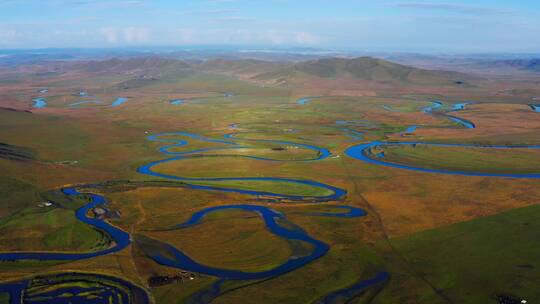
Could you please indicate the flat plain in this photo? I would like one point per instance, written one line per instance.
(259, 150)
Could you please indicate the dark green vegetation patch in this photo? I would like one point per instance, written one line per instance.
(465, 261)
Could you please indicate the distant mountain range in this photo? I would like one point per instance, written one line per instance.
(141, 70)
(531, 65)
(260, 58)
(239, 67)
(473, 63)
(144, 65)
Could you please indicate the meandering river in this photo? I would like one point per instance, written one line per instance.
(362, 152)
(80, 288)
(272, 219)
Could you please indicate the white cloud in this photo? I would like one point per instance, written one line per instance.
(233, 19)
(307, 38)
(136, 34)
(280, 37)
(9, 37)
(274, 36)
(8, 34)
(451, 7)
(103, 4)
(186, 36)
(129, 35)
(110, 34)
(211, 12)
(222, 1)
(245, 36)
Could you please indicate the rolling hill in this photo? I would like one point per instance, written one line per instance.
(143, 65)
(364, 68)
(239, 67)
(530, 65)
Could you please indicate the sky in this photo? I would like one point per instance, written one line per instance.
(482, 26)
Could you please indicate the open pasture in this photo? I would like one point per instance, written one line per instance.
(339, 228)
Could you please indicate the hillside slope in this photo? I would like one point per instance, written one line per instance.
(239, 67)
(364, 68)
(530, 65)
(144, 65)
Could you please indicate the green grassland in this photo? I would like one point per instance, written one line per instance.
(270, 186)
(174, 295)
(49, 228)
(58, 139)
(231, 240)
(472, 262)
(308, 284)
(404, 106)
(463, 158)
(4, 298)
(275, 151)
(27, 226)
(243, 241)
(469, 262)
(16, 195)
(230, 166)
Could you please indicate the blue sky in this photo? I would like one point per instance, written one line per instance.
(400, 25)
